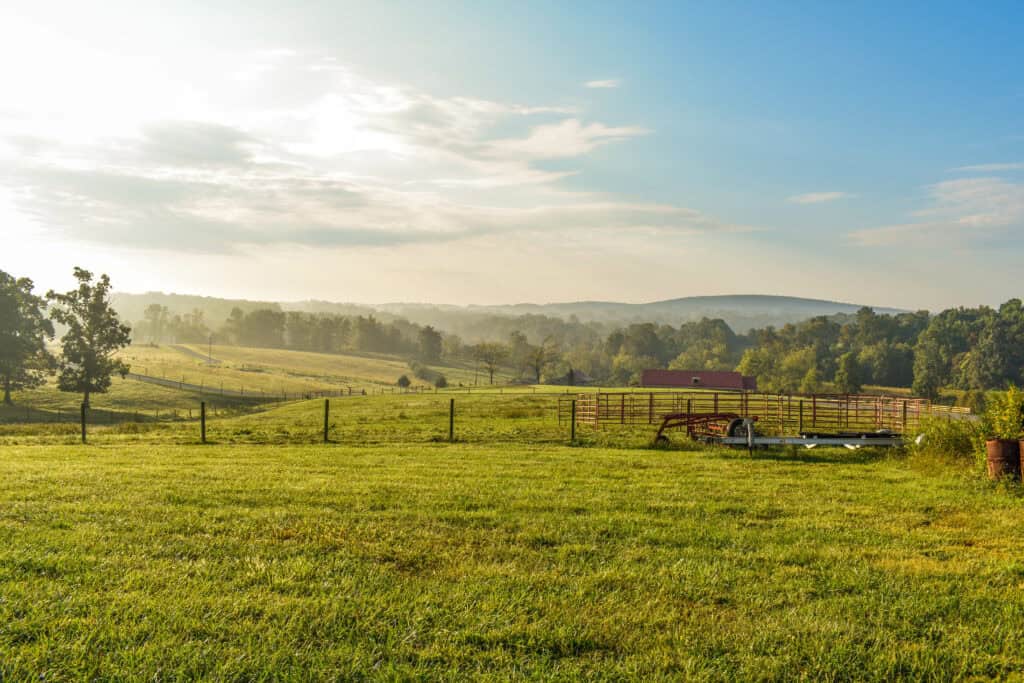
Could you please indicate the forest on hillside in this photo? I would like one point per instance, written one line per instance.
(969, 349)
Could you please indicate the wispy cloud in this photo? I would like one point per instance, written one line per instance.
(606, 83)
(817, 197)
(567, 138)
(328, 158)
(990, 168)
(962, 211)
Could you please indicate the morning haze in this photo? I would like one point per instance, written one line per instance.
(486, 341)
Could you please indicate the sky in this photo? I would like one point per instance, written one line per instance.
(488, 152)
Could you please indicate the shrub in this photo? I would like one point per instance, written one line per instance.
(440, 382)
(975, 400)
(1004, 416)
(403, 382)
(942, 438)
(423, 372)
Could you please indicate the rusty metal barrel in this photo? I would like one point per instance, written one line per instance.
(1003, 458)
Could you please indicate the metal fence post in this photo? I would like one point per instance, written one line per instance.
(202, 420)
(83, 421)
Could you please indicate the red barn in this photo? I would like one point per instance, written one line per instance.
(698, 379)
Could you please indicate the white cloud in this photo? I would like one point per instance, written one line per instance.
(219, 154)
(567, 138)
(962, 212)
(991, 168)
(817, 197)
(298, 148)
(606, 83)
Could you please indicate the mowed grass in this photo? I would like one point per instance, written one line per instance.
(125, 400)
(470, 561)
(338, 368)
(520, 416)
(263, 373)
(279, 370)
(170, 363)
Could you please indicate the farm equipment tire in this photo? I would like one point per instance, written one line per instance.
(736, 428)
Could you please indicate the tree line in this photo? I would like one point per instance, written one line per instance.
(969, 349)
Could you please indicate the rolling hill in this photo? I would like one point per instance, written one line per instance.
(741, 312)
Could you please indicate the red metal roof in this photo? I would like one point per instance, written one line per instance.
(699, 379)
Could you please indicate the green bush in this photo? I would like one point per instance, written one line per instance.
(1004, 416)
(955, 439)
(975, 400)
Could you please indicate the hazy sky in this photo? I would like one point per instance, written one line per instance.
(506, 152)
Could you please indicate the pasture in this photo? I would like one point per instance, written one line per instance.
(279, 370)
(392, 554)
(262, 374)
(247, 562)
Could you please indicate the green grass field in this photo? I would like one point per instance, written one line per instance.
(261, 373)
(391, 554)
(246, 562)
(278, 370)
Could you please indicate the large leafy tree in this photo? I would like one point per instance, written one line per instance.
(24, 330)
(94, 334)
(430, 344)
(848, 374)
(156, 317)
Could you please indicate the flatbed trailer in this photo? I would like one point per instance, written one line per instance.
(744, 434)
(890, 441)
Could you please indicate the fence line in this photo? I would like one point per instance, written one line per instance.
(241, 393)
(101, 416)
(783, 413)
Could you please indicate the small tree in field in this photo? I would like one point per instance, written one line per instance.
(542, 356)
(403, 382)
(94, 334)
(24, 329)
(490, 355)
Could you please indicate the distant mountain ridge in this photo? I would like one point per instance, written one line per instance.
(741, 312)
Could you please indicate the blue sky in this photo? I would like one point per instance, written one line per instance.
(497, 152)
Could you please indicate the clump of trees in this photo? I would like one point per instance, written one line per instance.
(93, 334)
(24, 330)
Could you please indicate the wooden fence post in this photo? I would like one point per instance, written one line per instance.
(327, 418)
(572, 424)
(451, 421)
(202, 421)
